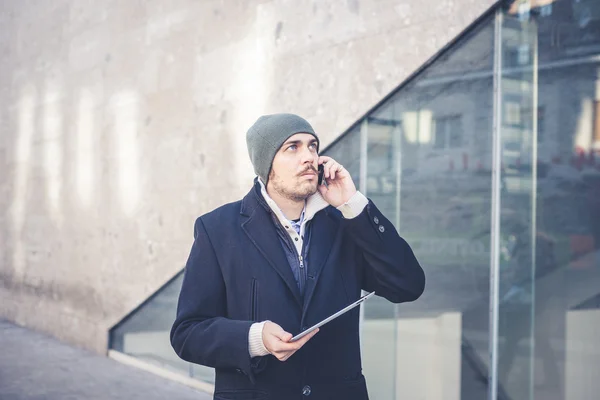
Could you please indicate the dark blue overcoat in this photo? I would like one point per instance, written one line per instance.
(237, 273)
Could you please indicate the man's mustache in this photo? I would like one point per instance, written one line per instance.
(310, 168)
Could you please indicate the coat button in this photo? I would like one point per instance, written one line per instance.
(306, 390)
(381, 228)
(376, 220)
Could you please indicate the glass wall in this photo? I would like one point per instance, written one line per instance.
(144, 333)
(427, 159)
(488, 163)
(549, 286)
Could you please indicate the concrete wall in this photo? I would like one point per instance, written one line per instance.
(121, 121)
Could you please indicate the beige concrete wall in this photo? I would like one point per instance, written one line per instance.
(121, 121)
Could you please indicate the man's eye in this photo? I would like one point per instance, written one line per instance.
(292, 147)
(313, 146)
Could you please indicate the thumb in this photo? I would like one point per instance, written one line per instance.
(283, 335)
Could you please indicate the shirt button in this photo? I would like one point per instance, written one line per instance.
(306, 390)
(381, 228)
(376, 220)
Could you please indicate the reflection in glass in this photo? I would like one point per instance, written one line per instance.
(550, 266)
(427, 153)
(144, 334)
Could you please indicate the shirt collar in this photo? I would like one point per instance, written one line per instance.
(312, 206)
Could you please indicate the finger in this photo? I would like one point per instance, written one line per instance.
(297, 345)
(282, 335)
(325, 169)
(284, 356)
(340, 171)
(324, 159)
(329, 168)
(286, 347)
(288, 355)
(294, 346)
(327, 162)
(306, 338)
(281, 347)
(281, 355)
(275, 338)
(286, 350)
(333, 168)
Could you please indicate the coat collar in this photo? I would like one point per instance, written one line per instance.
(312, 206)
(260, 229)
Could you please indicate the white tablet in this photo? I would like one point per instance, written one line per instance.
(332, 317)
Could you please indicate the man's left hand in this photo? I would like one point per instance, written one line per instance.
(340, 187)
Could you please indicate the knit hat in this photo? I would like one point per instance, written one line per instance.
(268, 134)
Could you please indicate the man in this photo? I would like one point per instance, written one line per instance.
(289, 254)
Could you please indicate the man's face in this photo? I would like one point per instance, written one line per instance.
(294, 171)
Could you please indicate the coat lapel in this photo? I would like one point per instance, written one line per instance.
(323, 233)
(260, 229)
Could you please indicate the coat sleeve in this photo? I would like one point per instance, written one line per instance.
(201, 333)
(390, 267)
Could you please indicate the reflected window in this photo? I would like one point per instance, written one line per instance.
(448, 132)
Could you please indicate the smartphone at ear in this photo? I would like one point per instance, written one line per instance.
(321, 181)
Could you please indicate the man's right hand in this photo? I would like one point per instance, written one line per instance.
(277, 341)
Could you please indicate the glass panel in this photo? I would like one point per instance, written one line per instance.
(444, 213)
(378, 363)
(550, 304)
(561, 267)
(517, 205)
(144, 334)
(347, 148)
(382, 132)
(428, 163)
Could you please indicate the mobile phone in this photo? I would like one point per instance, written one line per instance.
(321, 171)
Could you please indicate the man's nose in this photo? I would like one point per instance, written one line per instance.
(307, 156)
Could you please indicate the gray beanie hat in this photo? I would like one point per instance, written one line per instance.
(268, 134)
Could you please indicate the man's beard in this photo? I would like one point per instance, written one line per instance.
(298, 193)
